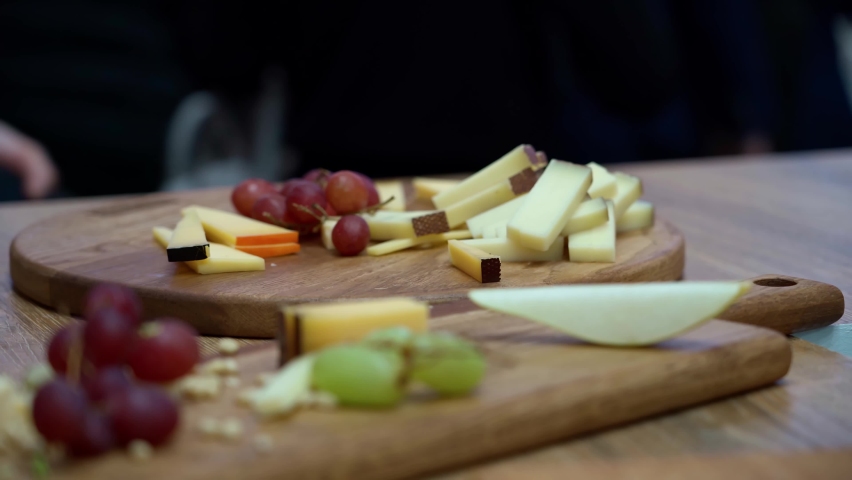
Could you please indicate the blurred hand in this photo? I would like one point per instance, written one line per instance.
(27, 159)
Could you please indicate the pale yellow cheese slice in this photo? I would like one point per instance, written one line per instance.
(509, 251)
(388, 189)
(497, 214)
(639, 215)
(549, 205)
(222, 259)
(233, 229)
(327, 227)
(629, 190)
(589, 214)
(426, 188)
(481, 265)
(400, 244)
(495, 230)
(188, 241)
(603, 182)
(310, 327)
(595, 245)
(499, 170)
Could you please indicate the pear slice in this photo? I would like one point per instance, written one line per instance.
(632, 314)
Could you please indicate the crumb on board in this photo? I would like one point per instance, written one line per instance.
(263, 378)
(231, 428)
(245, 397)
(209, 426)
(228, 346)
(232, 382)
(140, 450)
(221, 366)
(203, 386)
(262, 443)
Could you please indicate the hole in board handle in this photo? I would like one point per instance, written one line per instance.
(774, 282)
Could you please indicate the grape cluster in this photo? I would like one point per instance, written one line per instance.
(301, 203)
(377, 371)
(106, 391)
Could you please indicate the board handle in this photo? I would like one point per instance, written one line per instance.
(787, 304)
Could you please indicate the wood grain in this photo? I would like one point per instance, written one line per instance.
(541, 386)
(56, 260)
(741, 218)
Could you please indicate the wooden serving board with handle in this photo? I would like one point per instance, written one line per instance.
(55, 261)
(541, 387)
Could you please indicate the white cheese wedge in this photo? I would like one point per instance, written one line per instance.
(188, 241)
(400, 244)
(603, 182)
(551, 203)
(482, 266)
(499, 170)
(629, 190)
(497, 214)
(629, 314)
(426, 188)
(495, 230)
(596, 244)
(222, 259)
(509, 251)
(236, 230)
(589, 214)
(638, 216)
(391, 188)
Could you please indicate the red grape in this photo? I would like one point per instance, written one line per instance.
(59, 410)
(289, 185)
(106, 382)
(107, 336)
(107, 295)
(94, 437)
(247, 192)
(350, 235)
(306, 196)
(330, 210)
(318, 176)
(346, 192)
(165, 350)
(372, 193)
(273, 204)
(142, 413)
(60, 346)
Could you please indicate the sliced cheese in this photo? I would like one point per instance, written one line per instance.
(509, 251)
(426, 188)
(309, 327)
(589, 214)
(400, 244)
(629, 190)
(391, 225)
(222, 259)
(481, 265)
(233, 229)
(271, 250)
(603, 182)
(458, 213)
(327, 228)
(637, 216)
(391, 188)
(595, 245)
(499, 170)
(497, 214)
(495, 230)
(188, 241)
(549, 205)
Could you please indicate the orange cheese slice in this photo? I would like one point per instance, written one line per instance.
(271, 250)
(236, 230)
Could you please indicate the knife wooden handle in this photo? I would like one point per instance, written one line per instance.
(787, 304)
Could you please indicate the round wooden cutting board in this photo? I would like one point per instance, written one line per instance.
(55, 261)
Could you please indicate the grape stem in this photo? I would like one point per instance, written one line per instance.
(375, 208)
(312, 213)
(275, 222)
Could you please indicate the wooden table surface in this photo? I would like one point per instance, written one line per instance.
(787, 214)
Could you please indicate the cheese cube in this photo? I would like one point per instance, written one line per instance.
(391, 225)
(549, 205)
(222, 259)
(400, 244)
(509, 251)
(232, 229)
(637, 216)
(481, 265)
(188, 241)
(309, 327)
(589, 214)
(603, 182)
(629, 190)
(497, 214)
(595, 245)
(513, 162)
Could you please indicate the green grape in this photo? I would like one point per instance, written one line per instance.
(359, 375)
(393, 338)
(447, 363)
